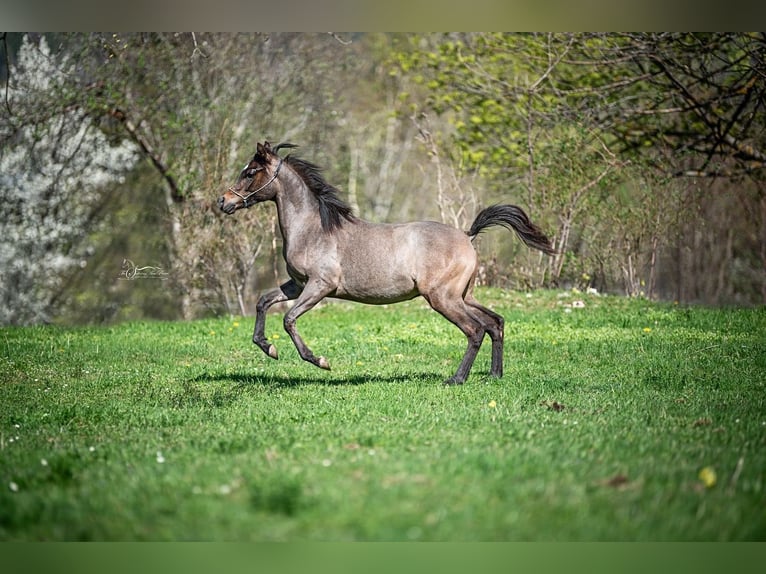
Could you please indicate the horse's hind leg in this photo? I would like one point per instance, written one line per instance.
(455, 310)
(495, 325)
(285, 292)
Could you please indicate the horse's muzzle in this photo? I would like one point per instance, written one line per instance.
(227, 208)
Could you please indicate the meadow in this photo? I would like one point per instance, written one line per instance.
(616, 419)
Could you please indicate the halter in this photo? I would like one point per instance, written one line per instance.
(244, 198)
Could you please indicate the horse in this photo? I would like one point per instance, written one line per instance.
(330, 252)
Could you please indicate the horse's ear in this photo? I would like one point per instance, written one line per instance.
(261, 151)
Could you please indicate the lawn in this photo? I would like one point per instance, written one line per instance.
(616, 419)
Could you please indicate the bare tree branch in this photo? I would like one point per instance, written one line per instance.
(4, 36)
(175, 193)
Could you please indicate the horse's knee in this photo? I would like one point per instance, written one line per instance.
(262, 305)
(265, 302)
(288, 322)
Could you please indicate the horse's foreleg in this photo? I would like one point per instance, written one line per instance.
(312, 294)
(285, 292)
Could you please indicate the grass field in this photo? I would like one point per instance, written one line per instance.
(616, 419)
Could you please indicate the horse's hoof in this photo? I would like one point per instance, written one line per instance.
(323, 364)
(452, 381)
(272, 352)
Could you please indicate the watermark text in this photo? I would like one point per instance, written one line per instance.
(130, 271)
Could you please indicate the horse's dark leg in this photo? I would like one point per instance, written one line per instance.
(495, 325)
(455, 310)
(474, 343)
(285, 292)
(312, 294)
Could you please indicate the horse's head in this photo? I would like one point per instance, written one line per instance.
(255, 182)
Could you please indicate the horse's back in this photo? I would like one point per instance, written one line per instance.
(411, 244)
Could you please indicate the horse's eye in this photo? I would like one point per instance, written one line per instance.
(253, 171)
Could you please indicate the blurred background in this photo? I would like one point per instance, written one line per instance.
(641, 155)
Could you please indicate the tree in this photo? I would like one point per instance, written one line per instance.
(54, 168)
(693, 106)
(701, 95)
(521, 106)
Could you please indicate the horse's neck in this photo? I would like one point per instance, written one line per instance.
(296, 207)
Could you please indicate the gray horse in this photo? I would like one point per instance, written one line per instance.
(332, 253)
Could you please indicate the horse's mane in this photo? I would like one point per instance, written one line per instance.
(332, 209)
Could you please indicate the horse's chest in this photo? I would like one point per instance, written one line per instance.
(310, 260)
(295, 263)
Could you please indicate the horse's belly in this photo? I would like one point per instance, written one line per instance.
(378, 288)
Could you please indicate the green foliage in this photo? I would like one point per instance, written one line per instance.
(609, 410)
(545, 119)
(484, 83)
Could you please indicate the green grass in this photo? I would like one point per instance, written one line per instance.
(185, 431)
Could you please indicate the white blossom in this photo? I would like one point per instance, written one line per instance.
(51, 176)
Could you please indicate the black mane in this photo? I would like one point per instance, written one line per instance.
(332, 209)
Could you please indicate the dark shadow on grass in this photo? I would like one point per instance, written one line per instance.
(284, 381)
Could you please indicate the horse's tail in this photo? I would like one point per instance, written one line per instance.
(512, 217)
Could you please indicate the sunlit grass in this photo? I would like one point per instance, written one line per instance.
(616, 419)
